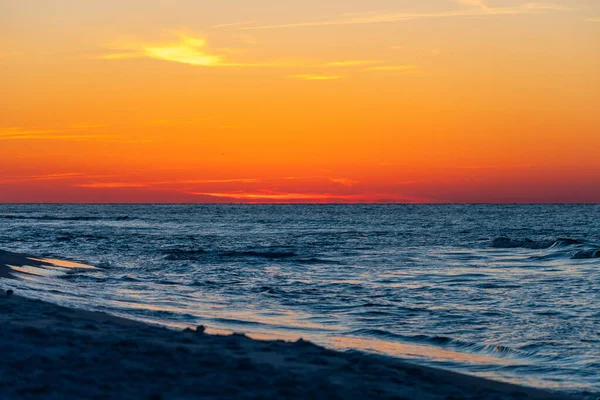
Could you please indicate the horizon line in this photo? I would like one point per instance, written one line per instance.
(307, 203)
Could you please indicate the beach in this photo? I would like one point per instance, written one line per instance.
(53, 352)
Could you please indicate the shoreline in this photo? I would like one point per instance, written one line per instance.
(50, 351)
(53, 352)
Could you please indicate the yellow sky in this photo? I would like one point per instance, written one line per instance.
(182, 100)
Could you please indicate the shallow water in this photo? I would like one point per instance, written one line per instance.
(441, 285)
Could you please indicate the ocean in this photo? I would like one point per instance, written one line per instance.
(509, 292)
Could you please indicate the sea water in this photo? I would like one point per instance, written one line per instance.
(510, 292)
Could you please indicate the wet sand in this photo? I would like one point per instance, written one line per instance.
(53, 352)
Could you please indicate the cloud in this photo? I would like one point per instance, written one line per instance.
(19, 131)
(483, 167)
(311, 77)
(473, 8)
(279, 196)
(234, 180)
(113, 184)
(433, 51)
(44, 177)
(186, 50)
(110, 185)
(189, 50)
(474, 3)
(351, 63)
(233, 24)
(195, 51)
(71, 133)
(292, 197)
(405, 68)
(185, 121)
(344, 181)
(104, 185)
(593, 19)
(55, 137)
(270, 191)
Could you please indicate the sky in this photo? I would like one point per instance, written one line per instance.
(263, 101)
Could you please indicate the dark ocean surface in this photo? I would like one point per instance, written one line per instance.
(510, 292)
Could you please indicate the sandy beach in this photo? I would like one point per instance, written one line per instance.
(53, 352)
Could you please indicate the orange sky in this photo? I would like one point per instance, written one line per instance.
(270, 101)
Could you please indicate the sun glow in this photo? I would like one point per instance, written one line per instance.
(188, 51)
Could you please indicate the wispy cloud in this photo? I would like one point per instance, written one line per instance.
(593, 19)
(307, 197)
(47, 177)
(474, 3)
(344, 181)
(233, 24)
(351, 63)
(14, 131)
(195, 51)
(405, 68)
(233, 180)
(179, 182)
(279, 196)
(433, 51)
(54, 137)
(312, 77)
(110, 185)
(268, 190)
(484, 167)
(471, 8)
(43, 177)
(183, 121)
(105, 185)
(71, 133)
(186, 49)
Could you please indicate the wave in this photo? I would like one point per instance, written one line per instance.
(259, 254)
(69, 237)
(55, 218)
(316, 260)
(583, 254)
(177, 254)
(183, 254)
(445, 341)
(508, 243)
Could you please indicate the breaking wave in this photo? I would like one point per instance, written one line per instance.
(508, 243)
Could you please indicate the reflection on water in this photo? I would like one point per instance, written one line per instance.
(37, 271)
(62, 263)
(48, 267)
(415, 351)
